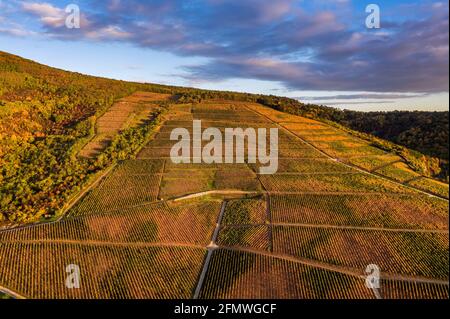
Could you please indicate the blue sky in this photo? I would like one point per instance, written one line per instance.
(319, 51)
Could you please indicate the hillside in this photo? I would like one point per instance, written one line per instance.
(154, 229)
(48, 116)
(421, 138)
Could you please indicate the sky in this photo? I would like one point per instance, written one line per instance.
(319, 51)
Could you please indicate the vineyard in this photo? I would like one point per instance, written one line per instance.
(353, 150)
(331, 182)
(150, 227)
(376, 210)
(256, 237)
(406, 290)
(408, 253)
(245, 211)
(247, 275)
(153, 223)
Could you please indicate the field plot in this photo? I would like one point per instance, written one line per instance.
(337, 182)
(406, 253)
(140, 167)
(344, 152)
(175, 184)
(308, 134)
(106, 271)
(277, 116)
(245, 211)
(190, 223)
(239, 180)
(347, 148)
(118, 191)
(299, 152)
(255, 237)
(399, 172)
(308, 231)
(372, 163)
(308, 165)
(234, 274)
(139, 97)
(154, 153)
(383, 210)
(127, 112)
(230, 113)
(173, 167)
(395, 289)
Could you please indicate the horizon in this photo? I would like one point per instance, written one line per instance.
(333, 59)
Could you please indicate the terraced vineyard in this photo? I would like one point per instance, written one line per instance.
(152, 228)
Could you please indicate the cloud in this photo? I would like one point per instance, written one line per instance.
(302, 45)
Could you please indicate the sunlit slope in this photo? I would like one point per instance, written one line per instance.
(308, 231)
(127, 112)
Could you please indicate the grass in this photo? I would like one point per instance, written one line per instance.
(4, 296)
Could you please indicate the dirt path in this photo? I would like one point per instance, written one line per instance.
(213, 246)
